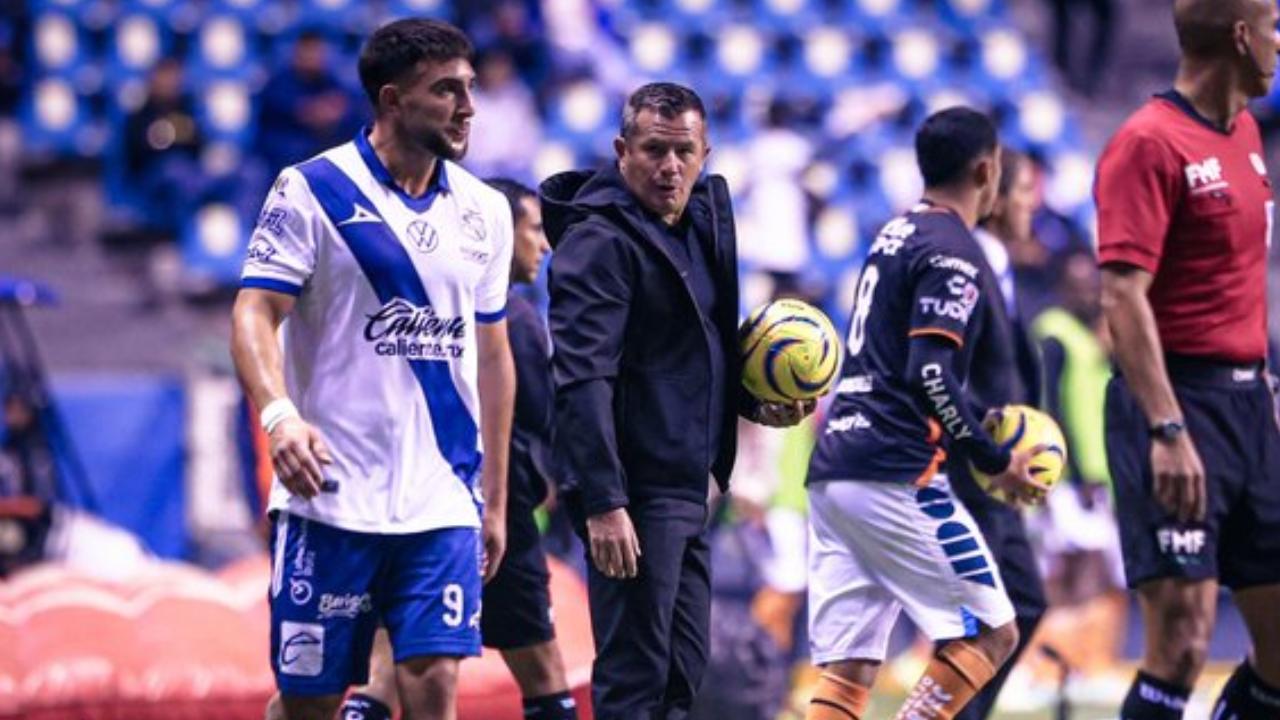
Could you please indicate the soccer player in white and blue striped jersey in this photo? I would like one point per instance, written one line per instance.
(384, 267)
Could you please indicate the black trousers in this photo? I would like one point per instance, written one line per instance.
(1006, 536)
(651, 632)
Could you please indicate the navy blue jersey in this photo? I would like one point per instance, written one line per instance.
(531, 426)
(922, 277)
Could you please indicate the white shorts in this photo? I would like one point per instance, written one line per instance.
(878, 548)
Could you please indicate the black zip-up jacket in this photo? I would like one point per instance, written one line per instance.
(631, 357)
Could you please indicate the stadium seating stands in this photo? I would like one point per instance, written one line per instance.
(862, 73)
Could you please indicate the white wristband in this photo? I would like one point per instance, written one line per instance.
(276, 411)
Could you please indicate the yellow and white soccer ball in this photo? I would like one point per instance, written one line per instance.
(790, 351)
(1020, 427)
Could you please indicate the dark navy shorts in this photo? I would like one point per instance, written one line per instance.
(1231, 417)
(331, 588)
(517, 601)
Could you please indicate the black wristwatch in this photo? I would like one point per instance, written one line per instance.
(1166, 430)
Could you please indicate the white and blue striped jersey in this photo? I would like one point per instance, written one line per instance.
(380, 349)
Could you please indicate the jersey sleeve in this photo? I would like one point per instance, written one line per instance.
(491, 291)
(1136, 192)
(944, 292)
(282, 247)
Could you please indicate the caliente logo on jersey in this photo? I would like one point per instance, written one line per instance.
(401, 329)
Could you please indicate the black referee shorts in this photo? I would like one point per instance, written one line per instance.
(1231, 417)
(516, 609)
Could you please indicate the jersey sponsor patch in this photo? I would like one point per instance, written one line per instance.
(301, 649)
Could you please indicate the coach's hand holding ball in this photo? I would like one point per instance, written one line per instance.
(790, 358)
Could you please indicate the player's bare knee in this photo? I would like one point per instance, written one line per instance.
(435, 676)
(998, 643)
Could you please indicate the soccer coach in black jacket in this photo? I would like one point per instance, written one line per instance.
(644, 314)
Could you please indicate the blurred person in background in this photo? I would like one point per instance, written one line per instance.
(1076, 534)
(507, 128)
(1034, 248)
(1083, 72)
(776, 215)
(162, 148)
(1005, 371)
(391, 263)
(1185, 212)
(644, 320)
(513, 28)
(304, 108)
(517, 602)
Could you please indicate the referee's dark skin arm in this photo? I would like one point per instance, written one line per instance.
(1175, 464)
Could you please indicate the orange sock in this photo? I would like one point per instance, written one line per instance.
(835, 698)
(956, 673)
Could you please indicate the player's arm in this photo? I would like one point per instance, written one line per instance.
(590, 284)
(945, 296)
(280, 259)
(497, 383)
(297, 450)
(1176, 466)
(1137, 188)
(931, 357)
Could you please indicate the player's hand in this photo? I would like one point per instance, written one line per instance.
(297, 452)
(615, 547)
(493, 533)
(1016, 480)
(1179, 478)
(778, 415)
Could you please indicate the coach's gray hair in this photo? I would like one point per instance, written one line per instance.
(667, 99)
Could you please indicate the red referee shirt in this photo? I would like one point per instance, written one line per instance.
(1192, 205)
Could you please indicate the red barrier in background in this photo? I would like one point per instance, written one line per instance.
(181, 644)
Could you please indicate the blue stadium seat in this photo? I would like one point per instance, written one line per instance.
(213, 244)
(223, 47)
(56, 120)
(961, 14)
(415, 8)
(59, 42)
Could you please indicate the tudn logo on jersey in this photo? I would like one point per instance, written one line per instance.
(402, 329)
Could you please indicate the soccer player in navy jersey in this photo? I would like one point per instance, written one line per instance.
(887, 533)
(370, 329)
(1185, 211)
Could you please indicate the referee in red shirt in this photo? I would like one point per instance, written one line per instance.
(1185, 212)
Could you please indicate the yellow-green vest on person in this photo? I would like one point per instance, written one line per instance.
(1081, 391)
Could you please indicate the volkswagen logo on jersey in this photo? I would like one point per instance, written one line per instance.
(423, 236)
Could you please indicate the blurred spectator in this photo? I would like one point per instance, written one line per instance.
(511, 27)
(15, 34)
(305, 108)
(775, 220)
(1066, 19)
(506, 129)
(162, 146)
(1034, 249)
(1076, 532)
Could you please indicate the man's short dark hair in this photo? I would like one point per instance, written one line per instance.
(949, 142)
(515, 192)
(667, 99)
(395, 49)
